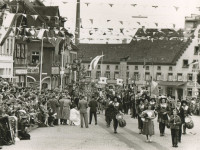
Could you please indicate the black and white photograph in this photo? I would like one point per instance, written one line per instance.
(100, 74)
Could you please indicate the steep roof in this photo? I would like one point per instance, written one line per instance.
(47, 10)
(163, 52)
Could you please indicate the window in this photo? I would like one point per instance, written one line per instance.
(22, 51)
(7, 47)
(116, 67)
(190, 77)
(116, 75)
(196, 50)
(169, 91)
(185, 63)
(179, 77)
(35, 57)
(136, 76)
(170, 68)
(17, 51)
(98, 74)
(127, 75)
(136, 67)
(189, 91)
(158, 67)
(108, 67)
(147, 76)
(147, 67)
(158, 76)
(127, 67)
(107, 74)
(1, 71)
(170, 76)
(99, 67)
(89, 73)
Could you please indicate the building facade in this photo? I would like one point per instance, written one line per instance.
(167, 61)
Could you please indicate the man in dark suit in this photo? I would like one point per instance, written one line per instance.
(93, 109)
(82, 106)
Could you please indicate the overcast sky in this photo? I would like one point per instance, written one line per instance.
(120, 13)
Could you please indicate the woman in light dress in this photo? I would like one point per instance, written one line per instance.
(74, 116)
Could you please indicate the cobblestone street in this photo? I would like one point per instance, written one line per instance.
(98, 137)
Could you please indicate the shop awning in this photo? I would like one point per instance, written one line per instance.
(172, 83)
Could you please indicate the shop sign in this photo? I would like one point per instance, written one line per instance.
(33, 70)
(21, 71)
(55, 70)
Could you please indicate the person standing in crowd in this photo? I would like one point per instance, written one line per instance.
(140, 109)
(133, 107)
(163, 111)
(175, 122)
(148, 124)
(117, 110)
(65, 109)
(153, 103)
(185, 112)
(93, 110)
(179, 111)
(74, 116)
(82, 106)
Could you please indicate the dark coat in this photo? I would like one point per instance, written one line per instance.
(82, 106)
(175, 122)
(93, 106)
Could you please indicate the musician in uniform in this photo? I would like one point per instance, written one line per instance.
(117, 110)
(163, 111)
(179, 111)
(175, 122)
(185, 113)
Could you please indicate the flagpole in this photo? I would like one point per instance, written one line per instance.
(62, 69)
(41, 59)
(101, 63)
(144, 71)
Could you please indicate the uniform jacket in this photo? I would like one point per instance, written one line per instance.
(93, 106)
(175, 119)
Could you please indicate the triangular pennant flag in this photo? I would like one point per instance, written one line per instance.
(108, 20)
(174, 25)
(87, 4)
(156, 24)
(133, 5)
(34, 16)
(65, 2)
(91, 20)
(121, 22)
(155, 6)
(122, 30)
(138, 23)
(111, 5)
(176, 8)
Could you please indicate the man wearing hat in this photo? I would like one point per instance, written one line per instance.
(185, 112)
(175, 122)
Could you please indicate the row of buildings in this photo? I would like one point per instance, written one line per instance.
(166, 58)
(20, 50)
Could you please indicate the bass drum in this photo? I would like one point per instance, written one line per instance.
(189, 123)
(122, 123)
